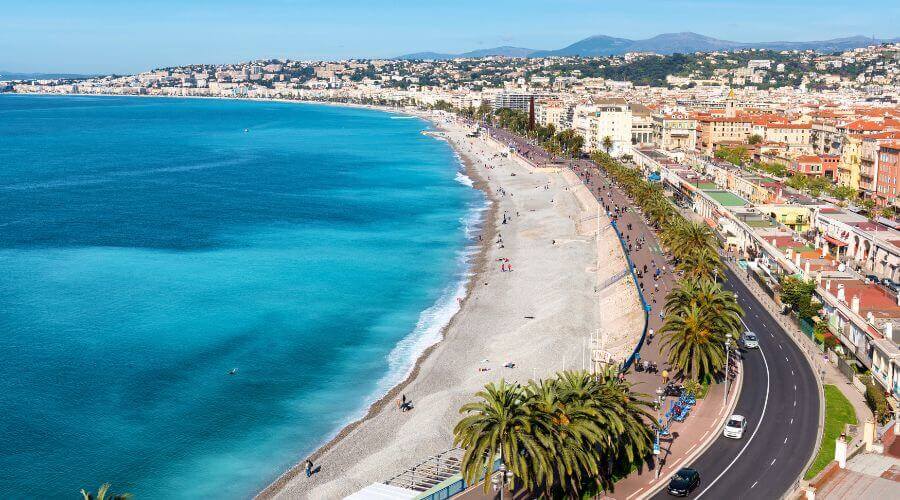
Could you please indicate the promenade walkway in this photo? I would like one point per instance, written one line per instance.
(689, 438)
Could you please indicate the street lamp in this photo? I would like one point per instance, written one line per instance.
(503, 478)
(659, 400)
(727, 366)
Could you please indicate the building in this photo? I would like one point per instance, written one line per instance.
(888, 170)
(641, 124)
(552, 112)
(520, 101)
(716, 131)
(849, 167)
(816, 166)
(601, 120)
(675, 132)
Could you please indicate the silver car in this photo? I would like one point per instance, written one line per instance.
(750, 340)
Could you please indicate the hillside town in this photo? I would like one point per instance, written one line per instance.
(792, 157)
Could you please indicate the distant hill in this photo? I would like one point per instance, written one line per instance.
(9, 75)
(666, 43)
(505, 51)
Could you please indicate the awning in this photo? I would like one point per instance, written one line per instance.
(835, 242)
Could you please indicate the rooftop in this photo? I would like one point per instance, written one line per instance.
(726, 198)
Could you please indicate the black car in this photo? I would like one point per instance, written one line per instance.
(893, 285)
(872, 278)
(683, 482)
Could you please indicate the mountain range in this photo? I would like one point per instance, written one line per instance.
(11, 75)
(666, 43)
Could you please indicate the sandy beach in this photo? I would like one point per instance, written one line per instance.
(566, 282)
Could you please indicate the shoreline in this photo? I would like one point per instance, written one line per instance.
(536, 318)
(476, 265)
(477, 269)
(420, 373)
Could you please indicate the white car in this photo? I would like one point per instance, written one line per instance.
(750, 340)
(735, 426)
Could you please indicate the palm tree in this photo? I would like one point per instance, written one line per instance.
(569, 435)
(502, 423)
(607, 144)
(719, 305)
(690, 237)
(621, 414)
(696, 346)
(701, 263)
(102, 493)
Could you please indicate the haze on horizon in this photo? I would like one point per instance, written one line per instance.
(105, 36)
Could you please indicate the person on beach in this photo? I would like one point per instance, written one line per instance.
(309, 467)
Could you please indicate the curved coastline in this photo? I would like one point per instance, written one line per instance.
(476, 269)
(472, 253)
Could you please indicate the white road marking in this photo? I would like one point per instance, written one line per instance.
(795, 402)
(773, 462)
(754, 484)
(795, 387)
(785, 440)
(758, 424)
(635, 493)
(792, 421)
(779, 346)
(792, 371)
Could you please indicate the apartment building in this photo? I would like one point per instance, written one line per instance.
(888, 170)
(604, 118)
(641, 124)
(815, 165)
(552, 112)
(675, 132)
(718, 131)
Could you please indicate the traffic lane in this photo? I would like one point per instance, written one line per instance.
(787, 435)
(779, 442)
(724, 450)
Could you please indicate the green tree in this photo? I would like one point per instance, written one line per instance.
(798, 181)
(690, 237)
(843, 192)
(607, 144)
(501, 424)
(695, 347)
(797, 293)
(736, 156)
(754, 139)
(719, 305)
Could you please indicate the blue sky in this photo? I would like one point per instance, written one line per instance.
(125, 36)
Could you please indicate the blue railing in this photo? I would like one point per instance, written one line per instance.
(630, 361)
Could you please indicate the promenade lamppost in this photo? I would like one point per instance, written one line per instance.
(660, 400)
(502, 479)
(727, 366)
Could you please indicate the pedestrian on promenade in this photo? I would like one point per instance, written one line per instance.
(665, 377)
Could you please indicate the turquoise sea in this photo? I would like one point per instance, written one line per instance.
(148, 246)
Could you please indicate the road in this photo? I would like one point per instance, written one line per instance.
(779, 397)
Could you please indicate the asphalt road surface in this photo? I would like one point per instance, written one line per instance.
(780, 399)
